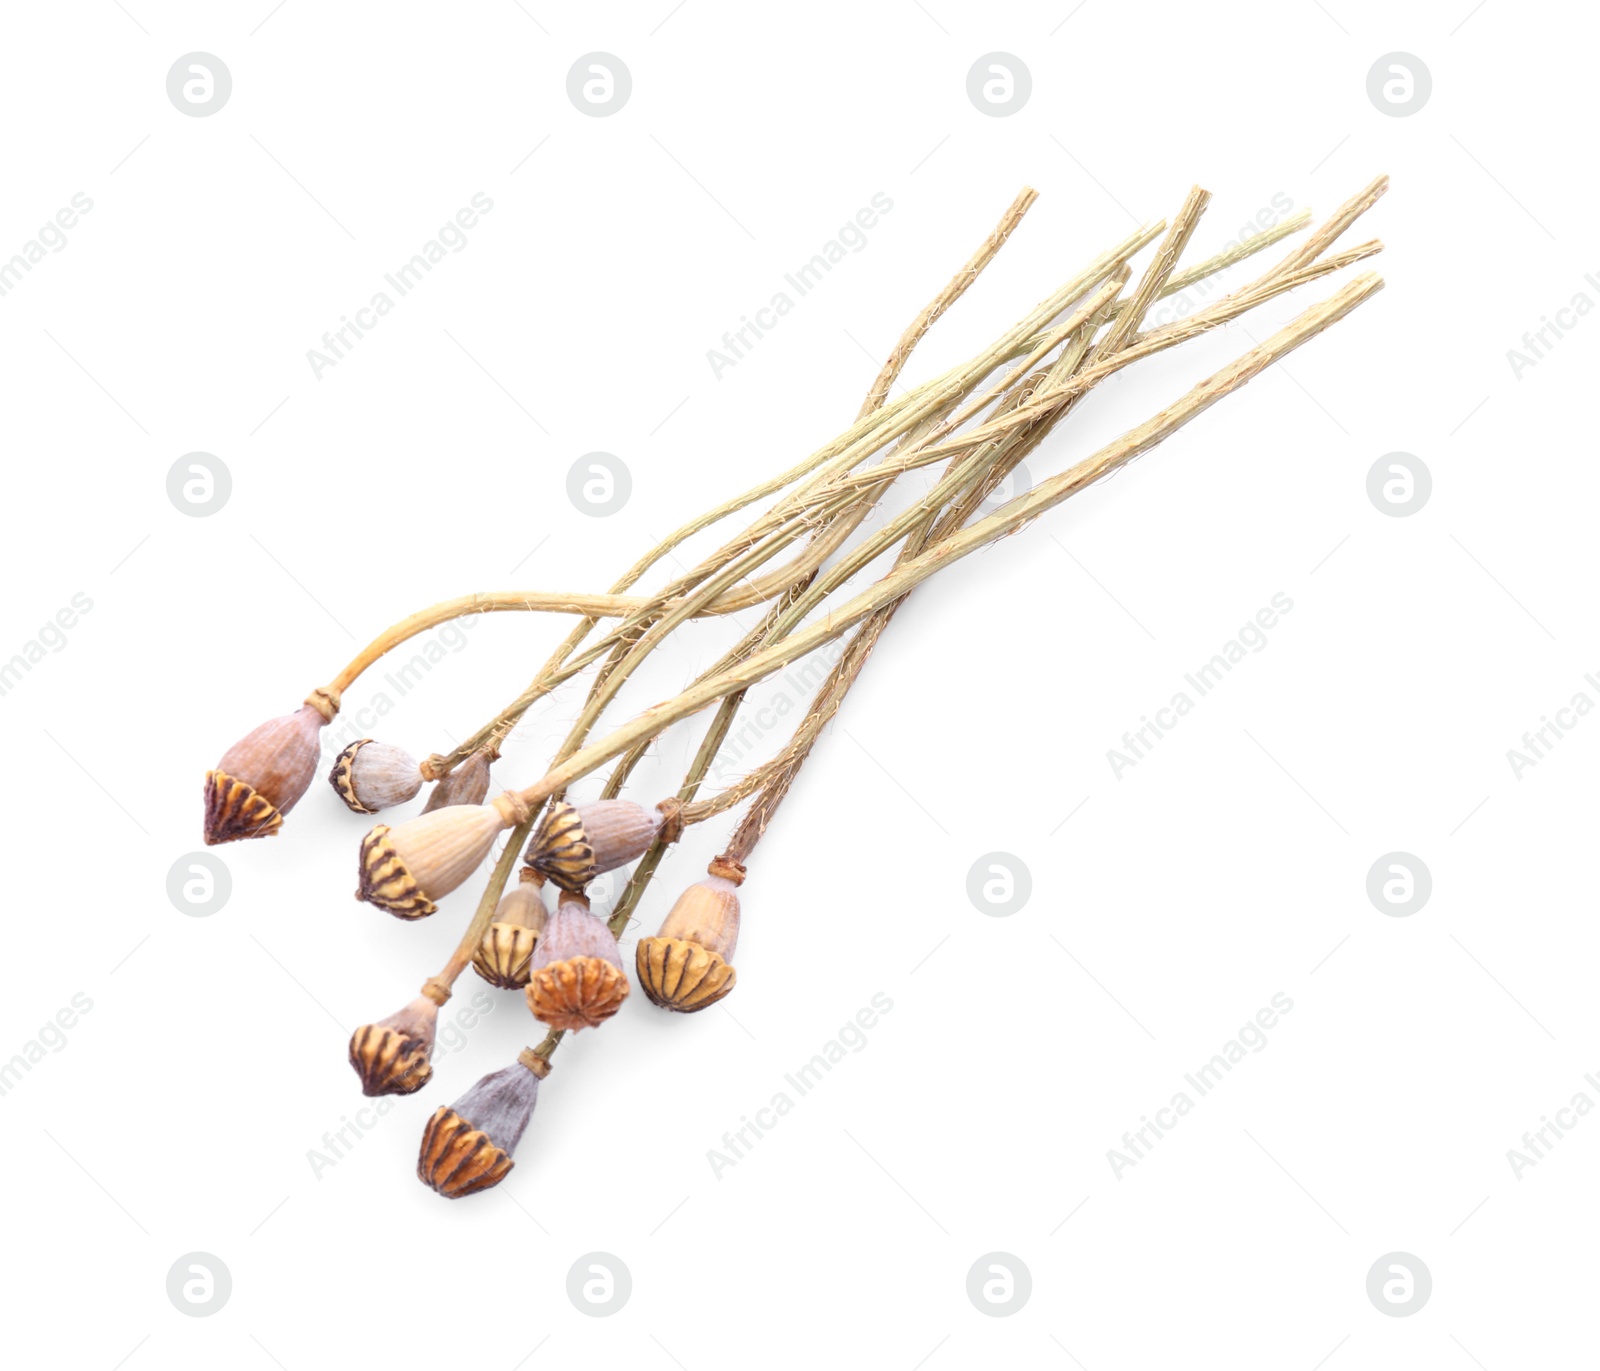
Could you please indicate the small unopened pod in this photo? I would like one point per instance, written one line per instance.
(369, 776)
(468, 784)
(393, 1056)
(689, 963)
(505, 952)
(408, 868)
(263, 775)
(577, 980)
(467, 1147)
(576, 843)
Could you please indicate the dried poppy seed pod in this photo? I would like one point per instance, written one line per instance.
(577, 980)
(405, 869)
(467, 1147)
(468, 784)
(576, 843)
(392, 1055)
(505, 952)
(369, 776)
(688, 964)
(261, 776)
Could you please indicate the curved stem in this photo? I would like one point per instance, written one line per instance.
(481, 602)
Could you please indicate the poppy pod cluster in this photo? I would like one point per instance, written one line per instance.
(576, 979)
(263, 775)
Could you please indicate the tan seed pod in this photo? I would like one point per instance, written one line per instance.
(467, 1147)
(576, 843)
(577, 979)
(687, 965)
(369, 776)
(407, 868)
(392, 1056)
(468, 784)
(706, 913)
(505, 952)
(262, 776)
(680, 975)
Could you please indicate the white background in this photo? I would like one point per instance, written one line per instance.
(1228, 866)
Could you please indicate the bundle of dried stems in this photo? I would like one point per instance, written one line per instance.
(978, 419)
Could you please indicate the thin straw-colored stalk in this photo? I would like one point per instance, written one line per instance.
(945, 298)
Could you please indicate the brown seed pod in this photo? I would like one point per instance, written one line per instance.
(576, 843)
(687, 965)
(505, 952)
(405, 869)
(467, 1147)
(369, 776)
(260, 777)
(577, 979)
(392, 1056)
(468, 784)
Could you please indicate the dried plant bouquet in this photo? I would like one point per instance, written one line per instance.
(797, 558)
